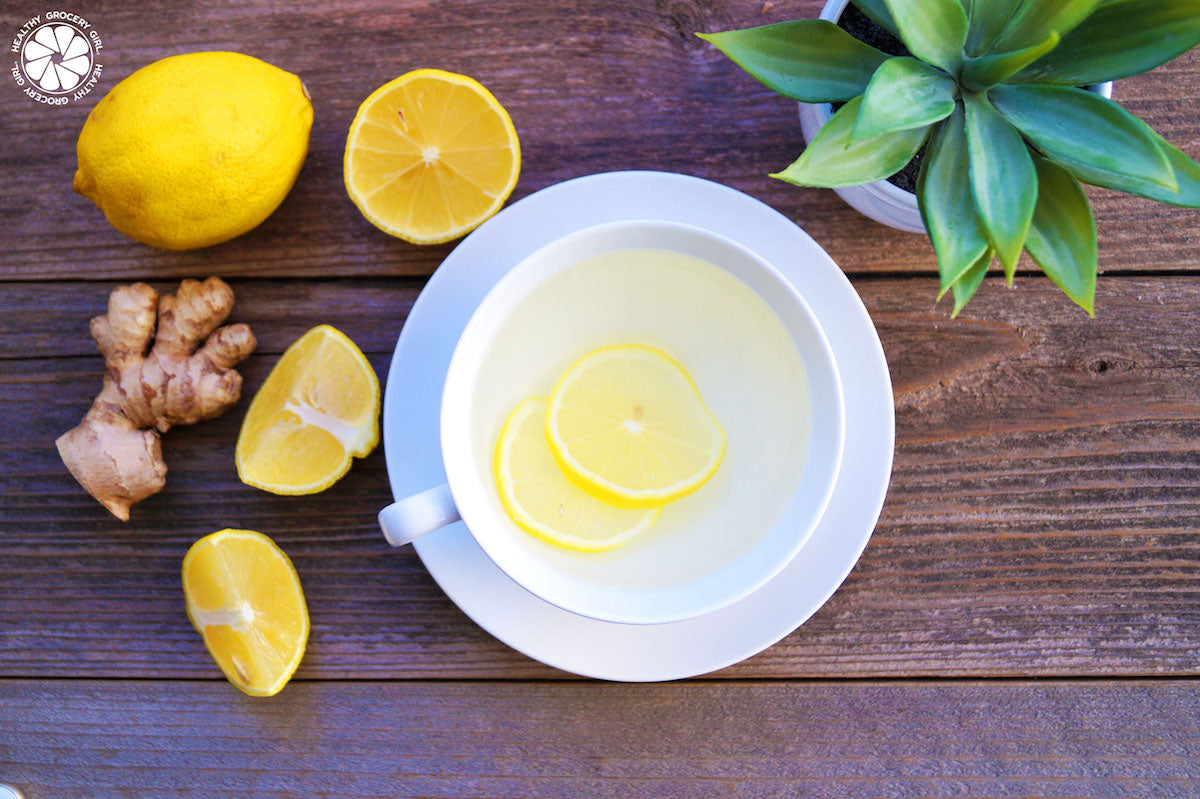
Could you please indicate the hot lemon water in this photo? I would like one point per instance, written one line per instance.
(734, 346)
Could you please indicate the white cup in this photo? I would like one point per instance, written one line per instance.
(512, 348)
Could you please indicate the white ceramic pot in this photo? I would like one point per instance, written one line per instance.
(882, 201)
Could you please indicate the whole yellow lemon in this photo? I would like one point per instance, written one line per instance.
(194, 149)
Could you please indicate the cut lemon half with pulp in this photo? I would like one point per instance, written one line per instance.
(542, 501)
(244, 598)
(316, 411)
(627, 424)
(430, 156)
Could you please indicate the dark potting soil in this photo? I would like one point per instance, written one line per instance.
(860, 26)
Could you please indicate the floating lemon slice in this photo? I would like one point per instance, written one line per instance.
(628, 426)
(316, 411)
(244, 598)
(430, 156)
(544, 502)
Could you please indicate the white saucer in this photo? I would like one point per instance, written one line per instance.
(639, 653)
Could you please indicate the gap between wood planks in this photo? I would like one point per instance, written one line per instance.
(700, 680)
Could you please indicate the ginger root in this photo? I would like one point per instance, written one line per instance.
(115, 452)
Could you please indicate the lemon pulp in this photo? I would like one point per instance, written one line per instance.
(627, 424)
(244, 598)
(541, 500)
(431, 155)
(316, 411)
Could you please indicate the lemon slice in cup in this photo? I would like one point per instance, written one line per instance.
(542, 501)
(628, 426)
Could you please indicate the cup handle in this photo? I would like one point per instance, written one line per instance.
(408, 519)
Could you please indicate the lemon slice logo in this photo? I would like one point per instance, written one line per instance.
(56, 57)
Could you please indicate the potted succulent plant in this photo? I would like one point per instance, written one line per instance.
(893, 201)
(991, 90)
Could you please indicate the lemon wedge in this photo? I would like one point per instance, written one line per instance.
(628, 426)
(430, 156)
(542, 501)
(244, 598)
(316, 412)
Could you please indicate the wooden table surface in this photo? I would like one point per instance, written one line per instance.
(1025, 621)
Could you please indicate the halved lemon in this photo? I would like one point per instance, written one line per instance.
(628, 426)
(544, 502)
(316, 411)
(244, 598)
(430, 156)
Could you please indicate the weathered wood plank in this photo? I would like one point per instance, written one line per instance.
(50, 320)
(591, 86)
(843, 740)
(1043, 517)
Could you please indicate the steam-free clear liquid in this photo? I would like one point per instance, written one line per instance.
(744, 362)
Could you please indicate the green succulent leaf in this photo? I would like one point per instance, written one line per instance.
(934, 30)
(877, 10)
(1062, 237)
(1036, 18)
(988, 18)
(810, 60)
(833, 160)
(965, 287)
(944, 195)
(1121, 38)
(1003, 179)
(1082, 130)
(986, 71)
(904, 93)
(1187, 172)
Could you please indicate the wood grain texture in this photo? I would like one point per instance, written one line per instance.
(1042, 518)
(50, 320)
(841, 741)
(592, 86)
